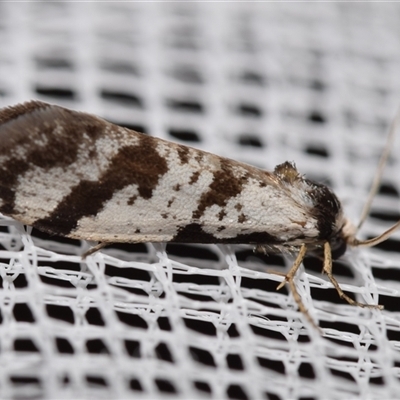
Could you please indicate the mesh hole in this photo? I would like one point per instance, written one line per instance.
(133, 348)
(181, 277)
(273, 365)
(235, 362)
(25, 380)
(377, 380)
(330, 295)
(64, 346)
(164, 324)
(59, 239)
(317, 117)
(22, 313)
(193, 107)
(306, 370)
(95, 380)
(202, 356)
(94, 317)
(134, 384)
(387, 215)
(62, 313)
(60, 265)
(187, 74)
(96, 346)
(390, 303)
(236, 392)
(56, 281)
(269, 333)
(206, 328)
(319, 151)
(126, 99)
(120, 67)
(233, 332)
(340, 268)
(387, 274)
(390, 244)
(253, 78)
(250, 140)
(272, 396)
(202, 386)
(264, 259)
(56, 93)
(132, 320)
(393, 335)
(181, 250)
(128, 273)
(343, 374)
(266, 285)
(318, 85)
(25, 345)
(249, 110)
(185, 135)
(196, 297)
(388, 189)
(165, 386)
(54, 63)
(163, 353)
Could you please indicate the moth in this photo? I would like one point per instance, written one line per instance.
(76, 175)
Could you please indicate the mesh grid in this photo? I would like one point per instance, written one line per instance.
(261, 83)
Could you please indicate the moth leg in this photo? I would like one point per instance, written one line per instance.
(290, 275)
(94, 249)
(260, 249)
(289, 278)
(342, 295)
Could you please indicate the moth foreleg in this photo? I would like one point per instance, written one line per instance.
(290, 275)
(289, 278)
(342, 295)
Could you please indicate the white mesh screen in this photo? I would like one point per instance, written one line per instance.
(316, 83)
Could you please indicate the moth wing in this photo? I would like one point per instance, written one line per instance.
(73, 174)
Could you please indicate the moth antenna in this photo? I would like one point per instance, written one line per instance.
(379, 172)
(376, 240)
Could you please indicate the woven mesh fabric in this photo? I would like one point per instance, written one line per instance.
(261, 83)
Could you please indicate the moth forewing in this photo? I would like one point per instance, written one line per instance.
(73, 174)
(84, 178)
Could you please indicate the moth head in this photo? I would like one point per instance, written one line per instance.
(338, 238)
(346, 236)
(342, 237)
(322, 204)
